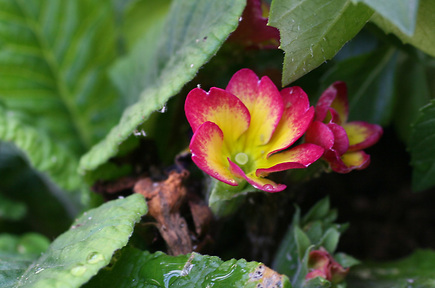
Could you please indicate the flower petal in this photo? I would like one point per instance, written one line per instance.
(220, 107)
(209, 153)
(296, 118)
(263, 101)
(362, 134)
(319, 133)
(300, 156)
(356, 160)
(257, 182)
(335, 96)
(341, 140)
(347, 162)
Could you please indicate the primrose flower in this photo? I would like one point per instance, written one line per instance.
(321, 264)
(343, 141)
(240, 133)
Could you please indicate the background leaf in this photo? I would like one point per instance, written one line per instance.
(416, 271)
(75, 256)
(52, 76)
(312, 31)
(422, 148)
(193, 33)
(402, 13)
(17, 253)
(371, 82)
(192, 270)
(423, 37)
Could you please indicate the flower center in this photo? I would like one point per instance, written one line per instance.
(241, 158)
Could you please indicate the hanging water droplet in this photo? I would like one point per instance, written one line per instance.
(78, 270)
(163, 109)
(95, 257)
(198, 86)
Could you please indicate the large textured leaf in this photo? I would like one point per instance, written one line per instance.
(402, 13)
(422, 148)
(423, 37)
(194, 32)
(143, 269)
(371, 80)
(52, 60)
(313, 31)
(45, 154)
(416, 271)
(75, 256)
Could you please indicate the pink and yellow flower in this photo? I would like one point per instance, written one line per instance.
(343, 141)
(321, 264)
(242, 133)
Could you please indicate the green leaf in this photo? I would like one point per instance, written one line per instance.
(413, 92)
(416, 271)
(193, 33)
(192, 270)
(11, 210)
(135, 24)
(313, 31)
(75, 256)
(17, 253)
(43, 153)
(402, 13)
(316, 229)
(422, 148)
(423, 37)
(53, 57)
(371, 82)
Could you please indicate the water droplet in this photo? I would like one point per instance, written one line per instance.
(78, 270)
(268, 187)
(241, 158)
(240, 19)
(293, 59)
(191, 65)
(197, 40)
(163, 109)
(89, 218)
(299, 28)
(198, 86)
(95, 257)
(39, 270)
(311, 51)
(121, 197)
(293, 20)
(138, 133)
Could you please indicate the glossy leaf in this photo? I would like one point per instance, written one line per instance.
(75, 256)
(402, 13)
(422, 148)
(52, 61)
(423, 37)
(371, 82)
(416, 271)
(313, 31)
(136, 267)
(193, 33)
